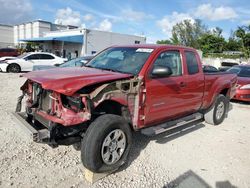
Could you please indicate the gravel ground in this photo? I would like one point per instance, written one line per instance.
(196, 156)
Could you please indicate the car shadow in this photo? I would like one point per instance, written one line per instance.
(190, 179)
(141, 141)
(240, 102)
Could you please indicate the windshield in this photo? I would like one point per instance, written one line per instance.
(72, 62)
(121, 59)
(240, 71)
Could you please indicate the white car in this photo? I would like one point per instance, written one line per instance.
(7, 58)
(25, 62)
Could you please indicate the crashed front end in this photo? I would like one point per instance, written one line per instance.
(58, 119)
(54, 116)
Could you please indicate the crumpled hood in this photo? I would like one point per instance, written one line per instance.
(69, 80)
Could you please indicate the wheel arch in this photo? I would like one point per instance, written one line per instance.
(225, 92)
(7, 68)
(115, 107)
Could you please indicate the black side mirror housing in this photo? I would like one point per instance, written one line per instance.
(161, 72)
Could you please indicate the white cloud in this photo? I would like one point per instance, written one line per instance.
(15, 11)
(105, 25)
(129, 14)
(246, 22)
(207, 11)
(88, 17)
(168, 21)
(68, 17)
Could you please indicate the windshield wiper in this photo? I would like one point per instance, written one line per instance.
(89, 66)
(114, 70)
(108, 69)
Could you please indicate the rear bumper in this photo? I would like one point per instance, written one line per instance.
(35, 134)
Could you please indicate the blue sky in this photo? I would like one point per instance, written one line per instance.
(154, 19)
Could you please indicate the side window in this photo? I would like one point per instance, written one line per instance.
(171, 59)
(33, 57)
(46, 56)
(192, 63)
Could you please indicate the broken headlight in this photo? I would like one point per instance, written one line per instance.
(74, 103)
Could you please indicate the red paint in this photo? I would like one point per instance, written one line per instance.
(242, 94)
(69, 80)
(159, 99)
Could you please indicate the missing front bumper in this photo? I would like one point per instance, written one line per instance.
(35, 134)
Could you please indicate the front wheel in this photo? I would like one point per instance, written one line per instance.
(217, 113)
(106, 144)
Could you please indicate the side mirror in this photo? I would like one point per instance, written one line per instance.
(57, 65)
(161, 72)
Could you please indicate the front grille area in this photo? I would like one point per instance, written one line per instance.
(45, 101)
(45, 104)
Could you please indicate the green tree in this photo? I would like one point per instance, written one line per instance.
(188, 32)
(232, 45)
(211, 43)
(30, 47)
(243, 34)
(217, 32)
(163, 42)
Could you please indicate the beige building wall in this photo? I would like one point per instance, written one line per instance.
(6, 36)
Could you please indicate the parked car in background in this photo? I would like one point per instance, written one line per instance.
(8, 52)
(77, 62)
(243, 87)
(226, 65)
(27, 61)
(2, 59)
(209, 69)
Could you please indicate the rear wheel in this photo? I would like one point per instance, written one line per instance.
(15, 68)
(106, 144)
(217, 113)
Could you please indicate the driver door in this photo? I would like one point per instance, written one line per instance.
(165, 98)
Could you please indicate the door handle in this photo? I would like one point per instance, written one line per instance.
(183, 84)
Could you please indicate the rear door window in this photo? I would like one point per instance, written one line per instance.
(46, 56)
(192, 63)
(33, 57)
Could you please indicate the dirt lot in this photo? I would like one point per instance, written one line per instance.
(197, 156)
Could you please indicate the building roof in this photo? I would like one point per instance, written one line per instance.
(72, 38)
(70, 26)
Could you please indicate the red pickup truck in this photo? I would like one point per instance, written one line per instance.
(147, 88)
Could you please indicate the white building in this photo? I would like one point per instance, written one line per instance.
(35, 29)
(63, 40)
(79, 42)
(6, 36)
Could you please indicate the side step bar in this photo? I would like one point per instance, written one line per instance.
(157, 129)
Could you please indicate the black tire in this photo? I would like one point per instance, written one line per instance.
(14, 68)
(93, 143)
(219, 107)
